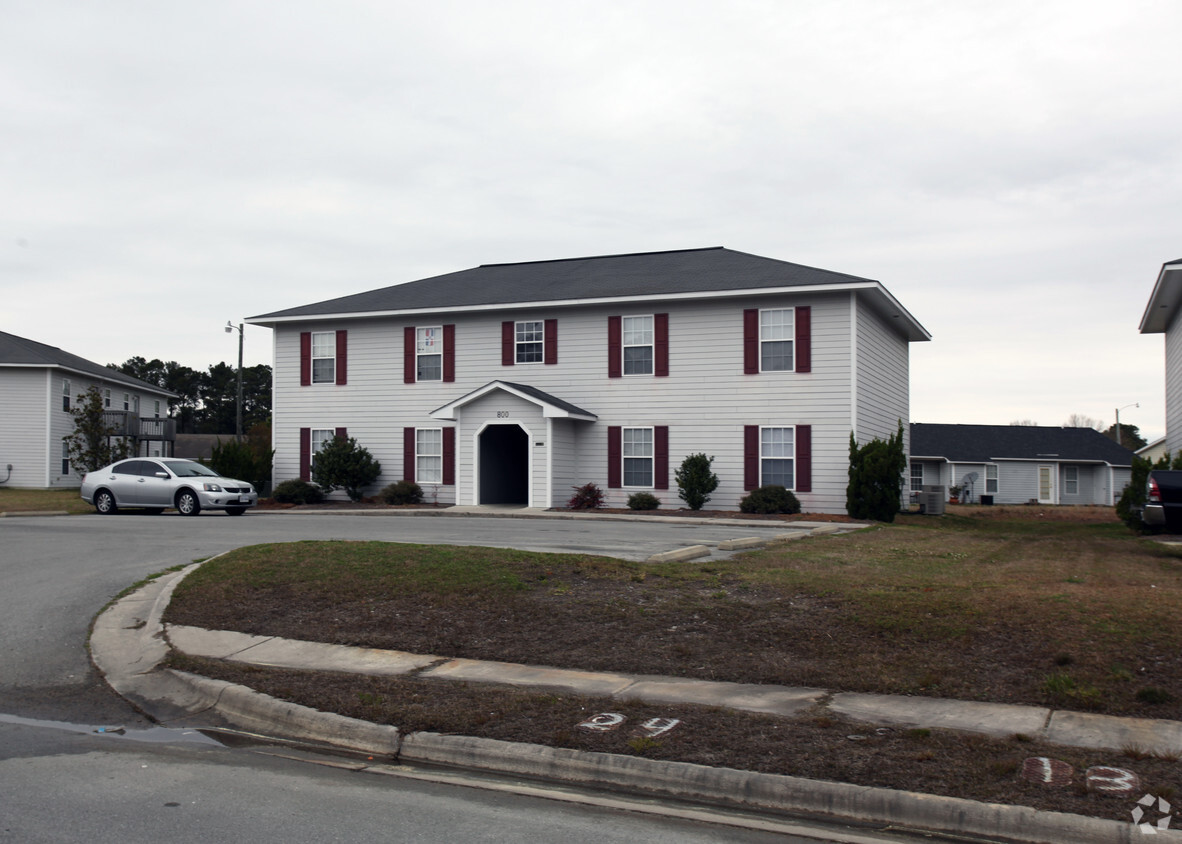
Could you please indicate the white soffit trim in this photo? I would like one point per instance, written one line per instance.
(1164, 300)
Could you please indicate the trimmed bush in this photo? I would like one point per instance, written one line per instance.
(402, 492)
(876, 478)
(772, 498)
(343, 464)
(643, 501)
(297, 492)
(586, 497)
(695, 481)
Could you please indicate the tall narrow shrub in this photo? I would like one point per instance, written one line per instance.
(876, 478)
(695, 480)
(343, 464)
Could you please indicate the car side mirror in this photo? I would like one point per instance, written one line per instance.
(162, 475)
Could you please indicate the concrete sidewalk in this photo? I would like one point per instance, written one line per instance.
(129, 642)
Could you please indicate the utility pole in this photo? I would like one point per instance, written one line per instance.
(238, 420)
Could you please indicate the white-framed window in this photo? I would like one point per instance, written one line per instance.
(530, 341)
(990, 479)
(127, 401)
(637, 451)
(65, 457)
(917, 477)
(637, 344)
(324, 357)
(135, 405)
(429, 354)
(320, 438)
(1071, 480)
(777, 333)
(156, 408)
(777, 457)
(429, 455)
(107, 398)
(66, 394)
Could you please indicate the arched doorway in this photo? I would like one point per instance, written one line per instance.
(504, 465)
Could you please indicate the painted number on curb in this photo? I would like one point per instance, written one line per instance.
(605, 722)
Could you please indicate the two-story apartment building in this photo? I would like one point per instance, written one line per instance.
(40, 384)
(513, 383)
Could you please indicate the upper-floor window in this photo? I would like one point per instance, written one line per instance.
(990, 479)
(66, 394)
(637, 452)
(638, 345)
(776, 339)
(156, 408)
(429, 353)
(324, 357)
(777, 452)
(529, 341)
(107, 398)
(127, 401)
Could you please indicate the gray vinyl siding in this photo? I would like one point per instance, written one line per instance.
(705, 401)
(1174, 383)
(883, 390)
(23, 434)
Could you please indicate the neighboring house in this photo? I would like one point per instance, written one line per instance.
(513, 383)
(40, 384)
(1162, 316)
(1153, 451)
(1020, 464)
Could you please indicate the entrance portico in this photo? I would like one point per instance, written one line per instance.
(515, 445)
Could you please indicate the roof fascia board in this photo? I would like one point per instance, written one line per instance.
(141, 385)
(1155, 304)
(549, 411)
(917, 331)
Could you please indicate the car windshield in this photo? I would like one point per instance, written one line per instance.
(189, 469)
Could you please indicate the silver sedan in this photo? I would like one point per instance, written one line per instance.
(153, 484)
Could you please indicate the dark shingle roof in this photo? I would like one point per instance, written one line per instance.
(17, 351)
(637, 275)
(983, 443)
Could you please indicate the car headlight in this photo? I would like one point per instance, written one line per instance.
(211, 487)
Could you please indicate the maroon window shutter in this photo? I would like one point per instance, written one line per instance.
(508, 343)
(305, 454)
(550, 353)
(661, 345)
(615, 439)
(343, 433)
(803, 350)
(661, 457)
(408, 357)
(342, 356)
(615, 346)
(804, 458)
(449, 352)
(449, 456)
(751, 343)
(408, 454)
(750, 456)
(305, 358)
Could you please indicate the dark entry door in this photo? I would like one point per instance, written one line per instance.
(504, 465)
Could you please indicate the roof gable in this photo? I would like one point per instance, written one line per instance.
(21, 352)
(552, 406)
(987, 443)
(646, 275)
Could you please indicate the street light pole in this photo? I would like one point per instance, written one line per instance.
(238, 420)
(1118, 410)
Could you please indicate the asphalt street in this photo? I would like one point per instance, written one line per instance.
(62, 781)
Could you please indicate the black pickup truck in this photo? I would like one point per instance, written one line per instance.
(1163, 505)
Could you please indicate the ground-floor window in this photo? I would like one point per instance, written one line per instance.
(1071, 480)
(990, 480)
(320, 438)
(916, 477)
(65, 457)
(429, 455)
(777, 451)
(638, 457)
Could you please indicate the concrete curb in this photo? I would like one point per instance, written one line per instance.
(17, 513)
(128, 644)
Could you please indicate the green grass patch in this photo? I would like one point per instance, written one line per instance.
(44, 500)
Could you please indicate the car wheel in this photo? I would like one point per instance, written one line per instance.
(235, 511)
(104, 503)
(187, 503)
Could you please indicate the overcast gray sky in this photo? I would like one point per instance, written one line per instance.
(1011, 171)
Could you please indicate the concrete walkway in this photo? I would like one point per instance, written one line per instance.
(129, 642)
